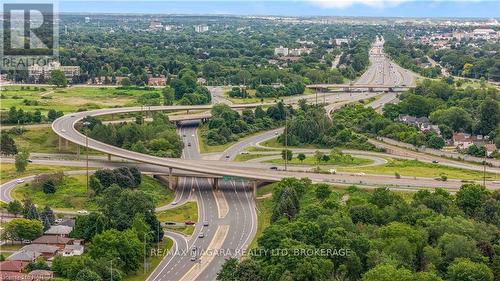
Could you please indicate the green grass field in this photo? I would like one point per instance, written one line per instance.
(275, 144)
(44, 140)
(182, 213)
(69, 99)
(72, 193)
(311, 161)
(8, 171)
(253, 99)
(246, 157)
(413, 168)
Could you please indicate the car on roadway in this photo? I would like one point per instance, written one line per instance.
(273, 168)
(63, 130)
(169, 223)
(244, 152)
(360, 174)
(435, 161)
(184, 135)
(20, 180)
(193, 258)
(227, 156)
(189, 144)
(83, 212)
(201, 235)
(189, 222)
(30, 161)
(192, 135)
(174, 203)
(205, 223)
(276, 133)
(58, 220)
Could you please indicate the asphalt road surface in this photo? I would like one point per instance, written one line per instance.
(231, 207)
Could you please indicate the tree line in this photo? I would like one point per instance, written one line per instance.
(374, 236)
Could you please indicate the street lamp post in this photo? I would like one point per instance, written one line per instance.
(286, 139)
(86, 124)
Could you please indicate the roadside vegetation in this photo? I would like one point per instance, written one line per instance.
(70, 192)
(158, 137)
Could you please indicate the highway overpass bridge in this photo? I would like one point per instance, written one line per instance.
(359, 87)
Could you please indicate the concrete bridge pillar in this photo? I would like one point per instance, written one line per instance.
(216, 184)
(370, 89)
(66, 144)
(170, 179)
(78, 151)
(59, 143)
(254, 188)
(109, 157)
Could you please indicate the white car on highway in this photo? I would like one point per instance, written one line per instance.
(83, 212)
(20, 180)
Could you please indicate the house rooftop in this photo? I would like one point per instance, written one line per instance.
(41, 248)
(52, 239)
(59, 230)
(15, 266)
(24, 256)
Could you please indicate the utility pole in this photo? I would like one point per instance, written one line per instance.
(86, 124)
(286, 138)
(484, 169)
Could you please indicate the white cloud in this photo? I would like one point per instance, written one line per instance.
(348, 3)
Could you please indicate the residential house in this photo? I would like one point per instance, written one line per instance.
(13, 266)
(59, 230)
(40, 274)
(54, 240)
(422, 123)
(281, 51)
(490, 149)
(25, 256)
(46, 251)
(464, 140)
(157, 81)
(73, 250)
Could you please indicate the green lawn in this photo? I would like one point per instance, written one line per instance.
(185, 229)
(72, 193)
(258, 149)
(413, 168)
(188, 211)
(264, 212)
(205, 148)
(69, 99)
(311, 161)
(153, 261)
(8, 171)
(275, 144)
(44, 140)
(246, 157)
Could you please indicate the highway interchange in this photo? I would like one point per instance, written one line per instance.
(227, 216)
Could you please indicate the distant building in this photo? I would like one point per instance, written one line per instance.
(45, 70)
(87, 19)
(169, 27)
(47, 251)
(299, 51)
(13, 266)
(486, 34)
(463, 140)
(59, 230)
(422, 123)
(281, 51)
(338, 41)
(155, 25)
(73, 250)
(157, 81)
(25, 256)
(201, 28)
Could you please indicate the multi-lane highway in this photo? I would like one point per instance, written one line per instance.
(383, 71)
(227, 219)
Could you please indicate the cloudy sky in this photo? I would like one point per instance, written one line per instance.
(386, 8)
